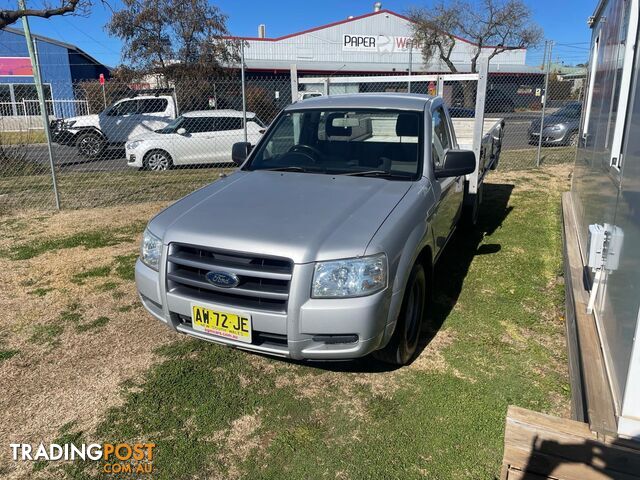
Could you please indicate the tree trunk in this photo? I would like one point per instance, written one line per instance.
(469, 94)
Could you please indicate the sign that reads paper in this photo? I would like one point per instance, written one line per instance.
(359, 43)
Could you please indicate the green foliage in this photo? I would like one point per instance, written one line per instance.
(47, 334)
(103, 271)
(89, 239)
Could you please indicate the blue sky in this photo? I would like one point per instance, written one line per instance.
(563, 21)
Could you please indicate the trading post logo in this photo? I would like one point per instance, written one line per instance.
(119, 458)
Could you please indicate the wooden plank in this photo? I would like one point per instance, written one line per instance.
(552, 447)
(600, 411)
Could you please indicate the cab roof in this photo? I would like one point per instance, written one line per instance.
(395, 101)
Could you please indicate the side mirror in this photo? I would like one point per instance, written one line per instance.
(457, 163)
(181, 131)
(240, 152)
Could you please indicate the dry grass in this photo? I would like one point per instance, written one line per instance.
(76, 377)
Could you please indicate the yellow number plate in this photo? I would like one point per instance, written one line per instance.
(235, 326)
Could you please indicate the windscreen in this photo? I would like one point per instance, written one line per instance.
(387, 143)
(172, 126)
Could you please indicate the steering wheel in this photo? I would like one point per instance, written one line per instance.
(307, 150)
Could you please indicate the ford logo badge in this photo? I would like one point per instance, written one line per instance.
(223, 279)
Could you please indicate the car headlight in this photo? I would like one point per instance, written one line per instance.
(351, 277)
(68, 123)
(150, 250)
(555, 128)
(134, 144)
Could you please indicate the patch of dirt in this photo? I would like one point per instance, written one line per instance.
(558, 178)
(239, 441)
(432, 360)
(346, 386)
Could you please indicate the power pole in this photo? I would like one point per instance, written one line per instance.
(43, 106)
(244, 94)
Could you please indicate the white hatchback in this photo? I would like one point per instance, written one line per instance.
(198, 137)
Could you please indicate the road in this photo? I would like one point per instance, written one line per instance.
(68, 160)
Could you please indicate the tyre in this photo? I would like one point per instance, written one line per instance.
(157, 160)
(402, 347)
(573, 139)
(471, 208)
(90, 145)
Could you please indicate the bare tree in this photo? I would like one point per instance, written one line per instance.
(174, 38)
(63, 7)
(499, 25)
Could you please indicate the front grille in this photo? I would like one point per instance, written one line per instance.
(264, 281)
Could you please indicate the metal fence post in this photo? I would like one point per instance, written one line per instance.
(478, 126)
(43, 107)
(545, 97)
(410, 66)
(440, 86)
(244, 94)
(293, 74)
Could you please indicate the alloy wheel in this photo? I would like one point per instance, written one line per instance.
(158, 161)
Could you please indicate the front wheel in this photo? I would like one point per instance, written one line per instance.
(157, 160)
(573, 139)
(90, 145)
(402, 347)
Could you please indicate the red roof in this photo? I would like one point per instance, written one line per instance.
(347, 20)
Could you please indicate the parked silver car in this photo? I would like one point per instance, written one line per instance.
(322, 245)
(560, 127)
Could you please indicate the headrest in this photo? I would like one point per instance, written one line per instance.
(407, 125)
(336, 131)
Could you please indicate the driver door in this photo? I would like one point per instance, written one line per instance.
(122, 121)
(450, 190)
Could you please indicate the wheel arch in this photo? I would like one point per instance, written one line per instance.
(85, 130)
(156, 149)
(418, 249)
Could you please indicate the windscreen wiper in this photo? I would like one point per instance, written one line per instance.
(376, 173)
(290, 168)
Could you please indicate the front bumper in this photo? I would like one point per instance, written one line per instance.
(311, 329)
(134, 157)
(64, 137)
(549, 137)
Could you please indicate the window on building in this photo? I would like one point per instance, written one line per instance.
(26, 98)
(6, 107)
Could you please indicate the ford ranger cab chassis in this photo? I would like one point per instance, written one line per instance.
(321, 246)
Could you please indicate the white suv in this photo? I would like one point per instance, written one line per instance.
(123, 120)
(197, 137)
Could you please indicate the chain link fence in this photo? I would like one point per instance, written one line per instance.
(117, 143)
